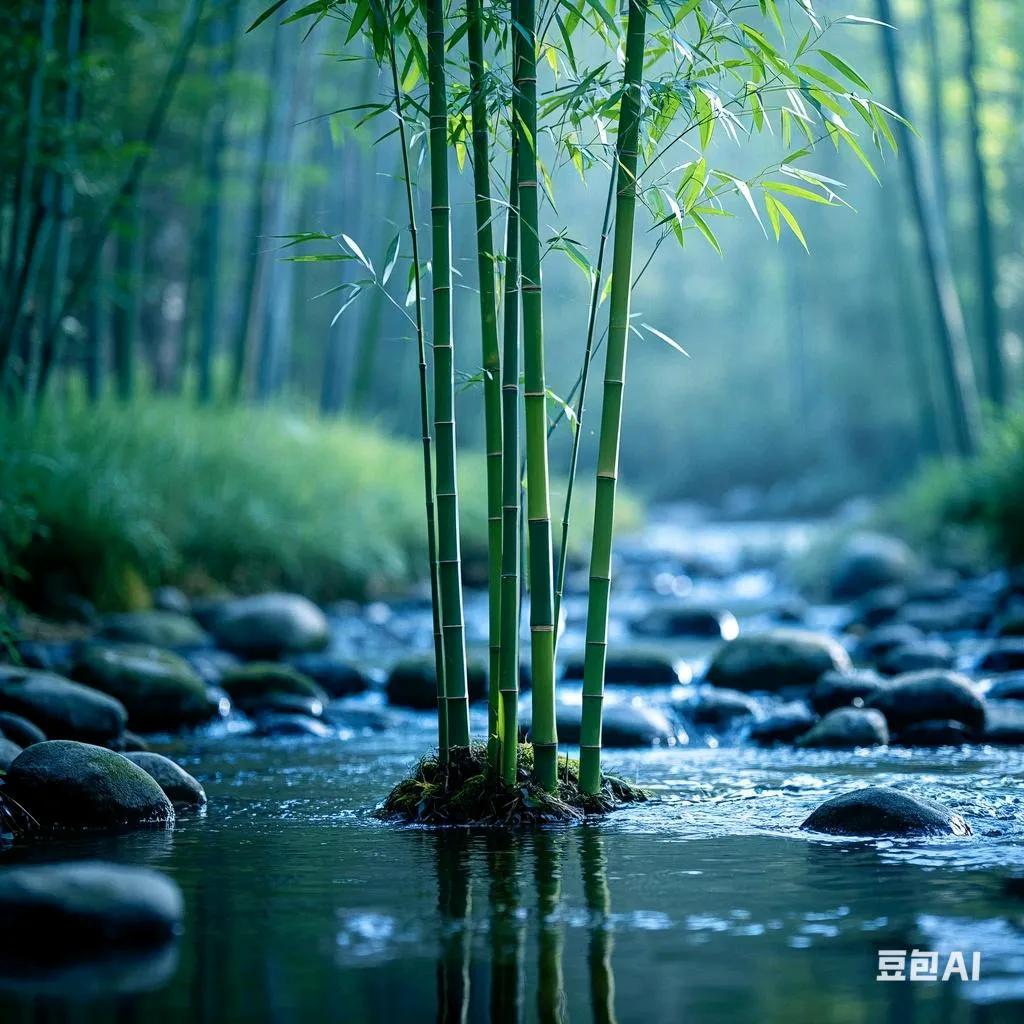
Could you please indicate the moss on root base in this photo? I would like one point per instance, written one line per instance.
(463, 792)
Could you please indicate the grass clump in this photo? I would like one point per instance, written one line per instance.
(464, 792)
(108, 501)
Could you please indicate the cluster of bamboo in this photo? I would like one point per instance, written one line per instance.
(655, 85)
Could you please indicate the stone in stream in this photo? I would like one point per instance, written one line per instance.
(776, 659)
(154, 629)
(67, 784)
(687, 622)
(844, 689)
(268, 686)
(1003, 656)
(338, 678)
(211, 665)
(933, 585)
(720, 707)
(61, 708)
(935, 733)
(847, 728)
(623, 726)
(928, 696)
(1010, 622)
(1009, 687)
(47, 657)
(412, 683)
(276, 724)
(1004, 723)
(880, 811)
(916, 657)
(158, 688)
(868, 561)
(879, 607)
(633, 666)
(179, 787)
(51, 909)
(954, 616)
(128, 741)
(783, 725)
(9, 750)
(879, 642)
(20, 730)
(270, 626)
(171, 599)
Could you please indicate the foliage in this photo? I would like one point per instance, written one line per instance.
(243, 498)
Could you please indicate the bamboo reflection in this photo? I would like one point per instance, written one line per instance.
(454, 905)
(508, 928)
(599, 903)
(548, 848)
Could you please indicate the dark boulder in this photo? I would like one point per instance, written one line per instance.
(868, 561)
(719, 707)
(268, 686)
(846, 728)
(412, 683)
(623, 726)
(1003, 656)
(935, 733)
(61, 708)
(929, 696)
(338, 678)
(66, 784)
(776, 659)
(880, 811)
(687, 623)
(879, 607)
(633, 666)
(153, 629)
(783, 725)
(20, 730)
(179, 787)
(270, 626)
(844, 689)
(51, 909)
(880, 641)
(158, 688)
(274, 724)
(916, 657)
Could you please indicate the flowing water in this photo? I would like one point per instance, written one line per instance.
(707, 904)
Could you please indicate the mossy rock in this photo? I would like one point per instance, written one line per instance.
(412, 683)
(179, 787)
(776, 659)
(67, 784)
(156, 629)
(61, 708)
(261, 685)
(159, 689)
(339, 678)
(9, 750)
(20, 730)
(633, 666)
(270, 626)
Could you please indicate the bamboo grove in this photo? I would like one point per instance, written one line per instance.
(521, 94)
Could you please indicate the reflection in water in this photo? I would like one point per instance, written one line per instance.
(506, 877)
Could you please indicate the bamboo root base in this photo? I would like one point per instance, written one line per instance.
(463, 792)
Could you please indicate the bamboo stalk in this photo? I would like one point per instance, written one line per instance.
(449, 556)
(428, 473)
(611, 412)
(491, 366)
(538, 503)
(508, 664)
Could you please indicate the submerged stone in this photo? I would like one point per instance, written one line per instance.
(776, 659)
(61, 708)
(844, 689)
(784, 724)
(179, 787)
(916, 657)
(719, 706)
(55, 908)
(847, 728)
(270, 626)
(67, 784)
(927, 696)
(880, 811)
(935, 733)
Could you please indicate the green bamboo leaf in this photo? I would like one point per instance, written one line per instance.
(276, 6)
(772, 208)
(664, 337)
(604, 15)
(390, 259)
(844, 69)
(794, 226)
(796, 190)
(706, 231)
(357, 252)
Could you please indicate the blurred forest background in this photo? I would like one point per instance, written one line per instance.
(154, 154)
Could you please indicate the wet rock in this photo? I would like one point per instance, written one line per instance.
(682, 622)
(171, 599)
(128, 741)
(1004, 656)
(935, 733)
(1010, 687)
(212, 665)
(927, 696)
(633, 667)
(879, 642)
(154, 629)
(291, 725)
(879, 606)
(719, 707)
(266, 686)
(933, 585)
(844, 689)
(916, 657)
(61, 708)
(270, 626)
(344, 716)
(868, 561)
(9, 750)
(783, 725)
(1010, 622)
(412, 683)
(623, 726)
(776, 659)
(954, 616)
(66, 784)
(158, 688)
(1004, 723)
(57, 908)
(179, 787)
(336, 677)
(47, 657)
(846, 728)
(20, 730)
(880, 811)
